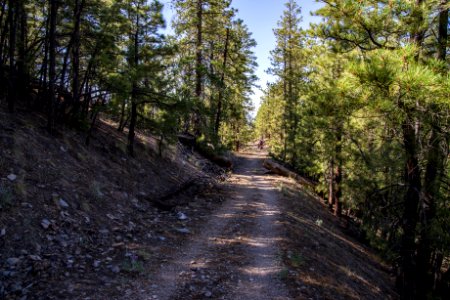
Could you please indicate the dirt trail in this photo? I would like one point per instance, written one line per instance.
(269, 239)
(236, 255)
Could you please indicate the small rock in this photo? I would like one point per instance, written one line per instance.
(115, 269)
(183, 230)
(63, 204)
(3, 232)
(45, 223)
(182, 216)
(35, 257)
(12, 177)
(12, 261)
(208, 294)
(96, 263)
(63, 149)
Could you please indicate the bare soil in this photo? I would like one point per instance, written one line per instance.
(252, 236)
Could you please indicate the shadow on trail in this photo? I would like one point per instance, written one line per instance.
(264, 243)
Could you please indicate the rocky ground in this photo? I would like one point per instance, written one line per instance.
(80, 222)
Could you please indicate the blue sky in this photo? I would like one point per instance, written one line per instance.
(261, 17)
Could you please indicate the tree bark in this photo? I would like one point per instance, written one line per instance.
(433, 173)
(408, 276)
(76, 56)
(222, 84)
(52, 66)
(23, 78)
(4, 30)
(330, 185)
(12, 21)
(338, 172)
(133, 117)
(199, 66)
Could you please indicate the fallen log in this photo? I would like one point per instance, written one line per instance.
(278, 169)
(172, 199)
(205, 150)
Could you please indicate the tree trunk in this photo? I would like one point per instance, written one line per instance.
(76, 56)
(23, 79)
(338, 172)
(4, 30)
(52, 66)
(122, 120)
(133, 117)
(434, 169)
(12, 21)
(199, 66)
(330, 185)
(408, 276)
(131, 133)
(222, 84)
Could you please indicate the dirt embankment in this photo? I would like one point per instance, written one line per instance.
(78, 222)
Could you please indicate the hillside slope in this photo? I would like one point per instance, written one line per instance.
(78, 221)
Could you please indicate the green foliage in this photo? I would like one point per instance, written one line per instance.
(341, 116)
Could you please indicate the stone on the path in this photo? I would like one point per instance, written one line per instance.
(11, 177)
(208, 294)
(63, 204)
(35, 257)
(3, 232)
(115, 269)
(183, 230)
(182, 216)
(12, 261)
(45, 223)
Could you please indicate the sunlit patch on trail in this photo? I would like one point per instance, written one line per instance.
(261, 271)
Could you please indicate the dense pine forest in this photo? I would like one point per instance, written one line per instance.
(360, 105)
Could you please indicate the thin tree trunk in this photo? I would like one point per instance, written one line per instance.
(43, 91)
(4, 30)
(52, 65)
(94, 119)
(62, 79)
(338, 174)
(222, 84)
(330, 185)
(133, 117)
(198, 66)
(131, 131)
(12, 17)
(76, 55)
(23, 79)
(122, 117)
